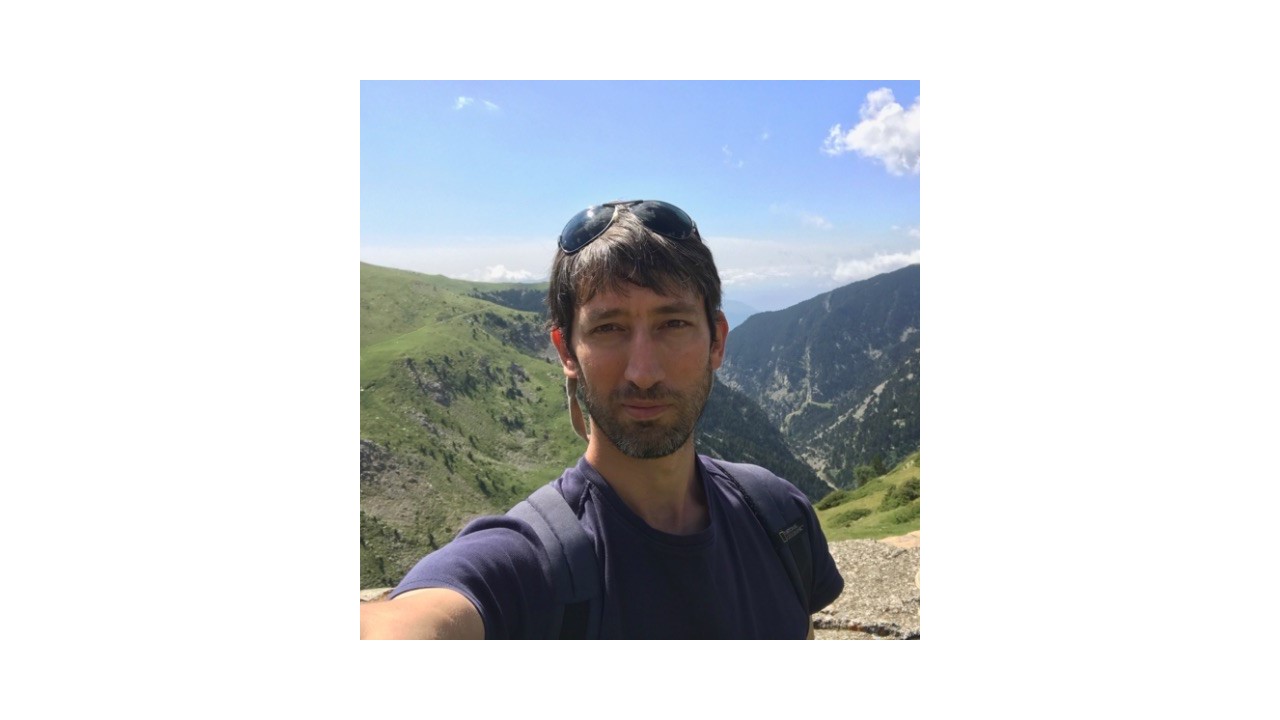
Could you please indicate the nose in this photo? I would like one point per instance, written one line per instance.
(644, 361)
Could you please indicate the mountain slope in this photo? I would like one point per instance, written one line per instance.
(734, 428)
(838, 374)
(882, 506)
(462, 413)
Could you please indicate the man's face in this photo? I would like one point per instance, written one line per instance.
(644, 363)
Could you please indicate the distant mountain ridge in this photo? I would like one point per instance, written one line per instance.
(838, 374)
(736, 312)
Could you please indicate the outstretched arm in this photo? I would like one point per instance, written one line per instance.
(425, 614)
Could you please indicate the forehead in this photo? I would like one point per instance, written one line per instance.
(634, 299)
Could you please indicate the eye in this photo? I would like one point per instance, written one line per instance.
(677, 324)
(606, 328)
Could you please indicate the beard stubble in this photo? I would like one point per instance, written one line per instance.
(647, 439)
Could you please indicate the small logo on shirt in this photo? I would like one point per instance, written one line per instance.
(790, 532)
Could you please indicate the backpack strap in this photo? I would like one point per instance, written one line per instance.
(781, 518)
(575, 573)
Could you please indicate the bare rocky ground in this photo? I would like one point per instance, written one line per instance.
(881, 598)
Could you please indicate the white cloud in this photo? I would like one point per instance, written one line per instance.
(815, 221)
(464, 101)
(500, 273)
(887, 133)
(805, 218)
(860, 269)
(728, 158)
(764, 135)
(749, 276)
(488, 259)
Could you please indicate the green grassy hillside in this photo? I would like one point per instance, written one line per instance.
(462, 413)
(881, 507)
(394, 302)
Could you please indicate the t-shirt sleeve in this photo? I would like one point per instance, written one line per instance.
(499, 565)
(827, 581)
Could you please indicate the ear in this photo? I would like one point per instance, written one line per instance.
(721, 330)
(567, 360)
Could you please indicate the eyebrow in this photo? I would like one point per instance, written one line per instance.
(672, 308)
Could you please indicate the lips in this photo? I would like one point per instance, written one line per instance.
(644, 412)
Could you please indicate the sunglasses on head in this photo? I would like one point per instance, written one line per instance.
(660, 217)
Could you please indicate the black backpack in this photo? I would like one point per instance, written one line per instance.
(576, 572)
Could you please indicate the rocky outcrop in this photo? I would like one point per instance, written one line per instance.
(881, 598)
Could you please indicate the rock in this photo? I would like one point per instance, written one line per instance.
(881, 598)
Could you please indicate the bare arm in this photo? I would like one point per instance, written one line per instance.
(426, 614)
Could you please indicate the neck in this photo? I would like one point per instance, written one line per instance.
(665, 492)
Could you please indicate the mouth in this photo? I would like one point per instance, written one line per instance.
(644, 412)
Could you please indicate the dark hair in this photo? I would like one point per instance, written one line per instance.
(629, 253)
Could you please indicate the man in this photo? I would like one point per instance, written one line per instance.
(634, 301)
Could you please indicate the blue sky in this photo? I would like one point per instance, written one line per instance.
(797, 187)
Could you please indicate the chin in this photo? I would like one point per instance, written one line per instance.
(646, 440)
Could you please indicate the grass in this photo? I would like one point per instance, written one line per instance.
(465, 421)
(881, 507)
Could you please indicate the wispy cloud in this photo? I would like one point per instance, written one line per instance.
(747, 276)
(863, 268)
(463, 101)
(773, 274)
(804, 217)
(815, 221)
(486, 259)
(500, 273)
(886, 132)
(728, 158)
(764, 135)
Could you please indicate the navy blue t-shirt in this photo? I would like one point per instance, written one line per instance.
(722, 582)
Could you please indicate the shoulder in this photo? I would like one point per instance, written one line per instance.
(786, 512)
(754, 480)
(575, 486)
(497, 563)
(485, 545)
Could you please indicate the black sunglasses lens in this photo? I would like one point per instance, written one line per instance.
(665, 219)
(660, 217)
(585, 227)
